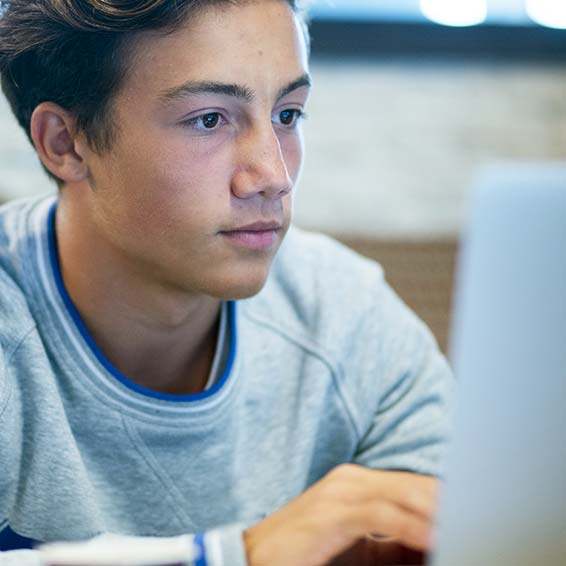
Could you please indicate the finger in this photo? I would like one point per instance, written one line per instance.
(416, 493)
(419, 497)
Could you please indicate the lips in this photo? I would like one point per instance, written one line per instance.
(256, 236)
(258, 227)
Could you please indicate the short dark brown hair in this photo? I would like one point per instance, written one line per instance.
(75, 53)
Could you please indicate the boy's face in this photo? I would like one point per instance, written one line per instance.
(208, 142)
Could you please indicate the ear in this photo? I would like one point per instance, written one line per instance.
(53, 134)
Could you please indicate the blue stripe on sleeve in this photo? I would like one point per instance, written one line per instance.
(10, 540)
(199, 543)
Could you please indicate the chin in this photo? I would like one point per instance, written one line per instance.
(240, 293)
(235, 290)
(237, 283)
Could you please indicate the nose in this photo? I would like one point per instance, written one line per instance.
(261, 166)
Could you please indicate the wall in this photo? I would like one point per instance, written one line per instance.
(393, 147)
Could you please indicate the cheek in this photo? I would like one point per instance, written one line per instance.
(292, 148)
(173, 183)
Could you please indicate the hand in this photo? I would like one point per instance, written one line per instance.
(335, 513)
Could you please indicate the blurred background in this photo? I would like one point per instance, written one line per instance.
(411, 99)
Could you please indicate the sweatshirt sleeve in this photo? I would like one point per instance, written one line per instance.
(4, 390)
(223, 546)
(406, 425)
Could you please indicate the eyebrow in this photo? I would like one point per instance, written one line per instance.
(237, 91)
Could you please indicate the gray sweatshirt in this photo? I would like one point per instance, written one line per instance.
(325, 365)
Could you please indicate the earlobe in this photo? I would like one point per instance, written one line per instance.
(53, 133)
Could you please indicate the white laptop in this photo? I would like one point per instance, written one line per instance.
(504, 500)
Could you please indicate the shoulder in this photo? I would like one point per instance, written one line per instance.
(335, 301)
(16, 323)
(15, 316)
(311, 258)
(336, 305)
(318, 250)
(313, 279)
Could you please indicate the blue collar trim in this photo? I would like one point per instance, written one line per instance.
(56, 269)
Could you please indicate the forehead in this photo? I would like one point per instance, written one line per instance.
(260, 44)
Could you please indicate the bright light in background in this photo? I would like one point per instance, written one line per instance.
(549, 13)
(457, 12)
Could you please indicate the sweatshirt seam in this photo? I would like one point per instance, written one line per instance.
(23, 338)
(6, 399)
(166, 482)
(7, 393)
(317, 351)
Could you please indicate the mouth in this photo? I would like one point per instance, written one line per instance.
(256, 236)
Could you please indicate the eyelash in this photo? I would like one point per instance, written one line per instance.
(193, 122)
(299, 115)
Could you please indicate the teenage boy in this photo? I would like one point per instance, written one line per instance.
(162, 372)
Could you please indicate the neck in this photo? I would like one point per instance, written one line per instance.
(160, 338)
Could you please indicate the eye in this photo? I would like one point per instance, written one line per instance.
(205, 122)
(290, 117)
